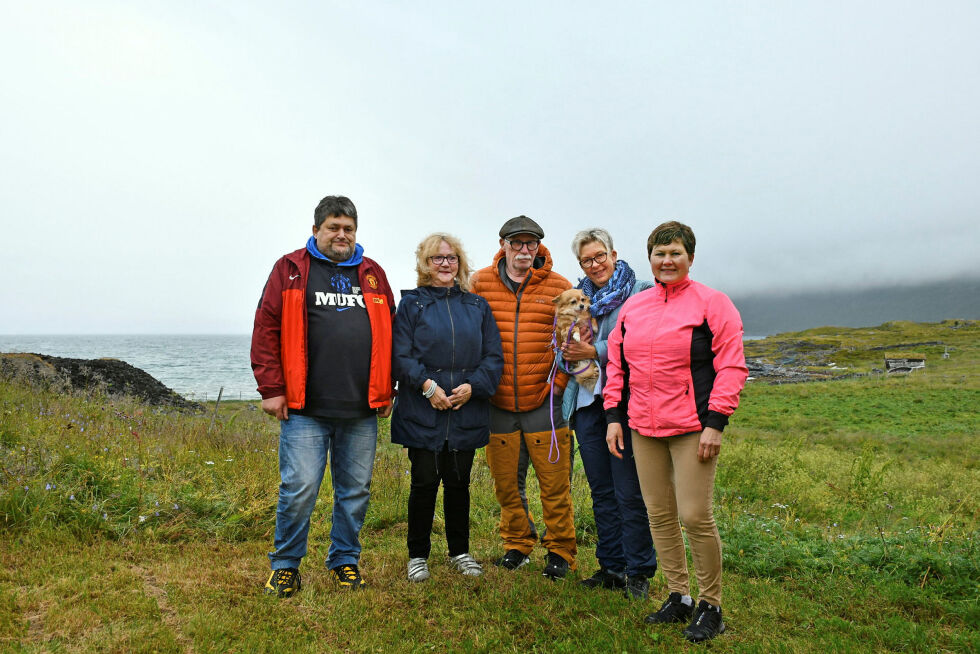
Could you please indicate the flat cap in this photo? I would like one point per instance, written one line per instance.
(521, 225)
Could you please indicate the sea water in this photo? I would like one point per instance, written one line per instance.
(193, 366)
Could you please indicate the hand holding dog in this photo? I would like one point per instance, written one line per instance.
(574, 350)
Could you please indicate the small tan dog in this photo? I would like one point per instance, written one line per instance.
(573, 320)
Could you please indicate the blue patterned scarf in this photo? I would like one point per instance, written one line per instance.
(614, 293)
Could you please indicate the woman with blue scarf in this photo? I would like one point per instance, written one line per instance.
(624, 549)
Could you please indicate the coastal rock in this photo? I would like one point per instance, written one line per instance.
(110, 376)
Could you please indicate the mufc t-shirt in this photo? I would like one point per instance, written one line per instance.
(339, 350)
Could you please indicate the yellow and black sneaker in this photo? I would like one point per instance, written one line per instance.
(349, 577)
(283, 583)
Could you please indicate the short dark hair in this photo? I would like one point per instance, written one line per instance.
(333, 206)
(667, 233)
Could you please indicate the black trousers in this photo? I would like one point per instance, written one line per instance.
(428, 469)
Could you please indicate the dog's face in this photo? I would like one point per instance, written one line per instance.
(572, 302)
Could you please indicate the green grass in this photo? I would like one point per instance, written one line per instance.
(848, 509)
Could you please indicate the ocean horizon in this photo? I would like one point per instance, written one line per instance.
(197, 366)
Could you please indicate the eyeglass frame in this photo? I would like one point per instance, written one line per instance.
(522, 244)
(597, 259)
(451, 259)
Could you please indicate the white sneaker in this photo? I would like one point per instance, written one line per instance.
(418, 569)
(466, 564)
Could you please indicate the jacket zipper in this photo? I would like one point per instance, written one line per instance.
(655, 419)
(517, 321)
(452, 368)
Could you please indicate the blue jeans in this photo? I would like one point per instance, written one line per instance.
(621, 522)
(304, 445)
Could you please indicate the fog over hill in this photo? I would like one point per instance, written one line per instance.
(772, 314)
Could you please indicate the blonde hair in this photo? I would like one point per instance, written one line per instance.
(430, 247)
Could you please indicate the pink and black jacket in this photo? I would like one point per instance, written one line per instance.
(677, 350)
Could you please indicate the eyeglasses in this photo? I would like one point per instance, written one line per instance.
(599, 259)
(517, 246)
(440, 259)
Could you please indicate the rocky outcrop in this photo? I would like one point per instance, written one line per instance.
(109, 376)
(761, 371)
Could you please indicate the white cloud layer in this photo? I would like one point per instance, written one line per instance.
(158, 157)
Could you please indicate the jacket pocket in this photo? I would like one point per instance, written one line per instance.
(473, 415)
(674, 406)
(416, 410)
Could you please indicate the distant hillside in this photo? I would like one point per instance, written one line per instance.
(774, 314)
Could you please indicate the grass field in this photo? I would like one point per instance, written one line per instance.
(848, 510)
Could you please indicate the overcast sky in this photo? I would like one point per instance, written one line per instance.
(156, 158)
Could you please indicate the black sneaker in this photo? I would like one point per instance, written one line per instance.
(283, 582)
(673, 610)
(556, 567)
(604, 578)
(349, 577)
(512, 560)
(707, 623)
(637, 587)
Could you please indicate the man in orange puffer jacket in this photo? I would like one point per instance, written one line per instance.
(520, 286)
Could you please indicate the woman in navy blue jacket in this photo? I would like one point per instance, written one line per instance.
(447, 361)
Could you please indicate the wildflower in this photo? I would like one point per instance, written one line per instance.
(105, 516)
(176, 507)
(71, 498)
(157, 503)
(156, 513)
(142, 518)
(27, 488)
(47, 487)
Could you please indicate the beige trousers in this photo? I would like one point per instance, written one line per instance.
(675, 485)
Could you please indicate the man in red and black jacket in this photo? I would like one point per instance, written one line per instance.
(321, 354)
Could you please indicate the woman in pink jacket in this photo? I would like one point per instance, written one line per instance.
(679, 345)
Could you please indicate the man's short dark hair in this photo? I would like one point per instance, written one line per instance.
(667, 233)
(334, 206)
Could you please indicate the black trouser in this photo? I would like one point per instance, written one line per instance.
(428, 469)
